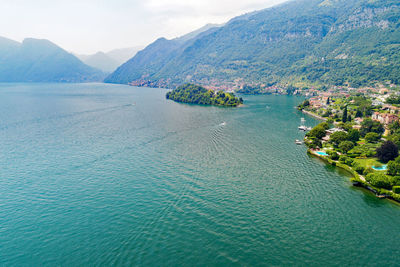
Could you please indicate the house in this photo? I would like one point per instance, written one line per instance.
(384, 118)
(383, 91)
(358, 121)
(334, 130)
(377, 102)
(392, 109)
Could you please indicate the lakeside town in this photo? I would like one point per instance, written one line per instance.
(360, 133)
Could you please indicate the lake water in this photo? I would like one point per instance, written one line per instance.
(96, 174)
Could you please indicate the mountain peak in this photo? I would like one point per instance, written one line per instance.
(40, 60)
(279, 46)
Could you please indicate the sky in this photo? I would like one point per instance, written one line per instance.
(88, 26)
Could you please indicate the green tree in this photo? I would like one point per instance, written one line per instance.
(345, 126)
(353, 135)
(395, 138)
(388, 151)
(317, 132)
(379, 180)
(372, 137)
(306, 103)
(394, 127)
(346, 146)
(359, 113)
(334, 156)
(313, 142)
(369, 125)
(393, 99)
(324, 125)
(368, 171)
(393, 168)
(338, 137)
(344, 116)
(194, 94)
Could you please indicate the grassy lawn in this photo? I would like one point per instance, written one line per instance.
(369, 162)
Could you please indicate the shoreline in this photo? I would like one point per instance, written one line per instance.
(357, 179)
(313, 115)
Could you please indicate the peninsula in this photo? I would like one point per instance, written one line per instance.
(195, 94)
(361, 134)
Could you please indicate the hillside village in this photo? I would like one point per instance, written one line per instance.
(380, 104)
(360, 133)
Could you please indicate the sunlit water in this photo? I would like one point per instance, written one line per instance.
(101, 174)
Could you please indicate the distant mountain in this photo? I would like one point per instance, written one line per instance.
(36, 60)
(153, 58)
(301, 42)
(122, 55)
(100, 61)
(108, 62)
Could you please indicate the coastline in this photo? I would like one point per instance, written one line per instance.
(357, 180)
(313, 115)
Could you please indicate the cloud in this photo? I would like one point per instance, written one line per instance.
(86, 26)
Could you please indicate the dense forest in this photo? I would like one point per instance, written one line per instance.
(301, 43)
(194, 94)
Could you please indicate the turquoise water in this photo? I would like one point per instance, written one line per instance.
(101, 174)
(382, 168)
(322, 153)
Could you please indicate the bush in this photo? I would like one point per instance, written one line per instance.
(342, 159)
(396, 197)
(349, 161)
(393, 168)
(379, 180)
(372, 137)
(396, 180)
(396, 189)
(368, 171)
(353, 135)
(346, 160)
(334, 156)
(346, 146)
(360, 169)
(337, 137)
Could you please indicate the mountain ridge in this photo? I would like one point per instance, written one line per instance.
(109, 61)
(303, 43)
(40, 60)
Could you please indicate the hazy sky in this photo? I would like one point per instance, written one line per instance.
(88, 26)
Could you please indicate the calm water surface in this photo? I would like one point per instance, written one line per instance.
(99, 174)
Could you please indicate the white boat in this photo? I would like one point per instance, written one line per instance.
(298, 142)
(302, 127)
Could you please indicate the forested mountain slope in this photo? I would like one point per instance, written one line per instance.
(302, 42)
